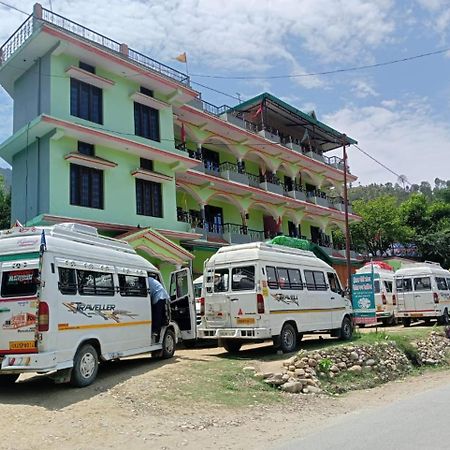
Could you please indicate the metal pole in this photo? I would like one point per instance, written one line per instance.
(347, 229)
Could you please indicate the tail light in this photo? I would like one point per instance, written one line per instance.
(202, 306)
(394, 299)
(435, 297)
(43, 316)
(260, 303)
(383, 299)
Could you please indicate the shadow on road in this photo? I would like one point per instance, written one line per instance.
(40, 390)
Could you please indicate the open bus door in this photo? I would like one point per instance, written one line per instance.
(182, 304)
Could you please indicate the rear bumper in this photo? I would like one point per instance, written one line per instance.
(234, 333)
(31, 362)
(413, 314)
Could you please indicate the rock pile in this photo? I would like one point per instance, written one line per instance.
(435, 350)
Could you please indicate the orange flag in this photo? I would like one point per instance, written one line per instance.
(182, 57)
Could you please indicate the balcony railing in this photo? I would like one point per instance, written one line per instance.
(33, 23)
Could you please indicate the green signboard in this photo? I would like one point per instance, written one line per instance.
(363, 298)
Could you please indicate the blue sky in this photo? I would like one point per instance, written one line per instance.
(399, 114)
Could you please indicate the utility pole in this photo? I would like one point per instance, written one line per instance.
(347, 229)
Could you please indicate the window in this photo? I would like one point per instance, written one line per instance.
(334, 282)
(441, 284)
(221, 280)
(67, 281)
(315, 280)
(422, 284)
(86, 186)
(388, 286)
(272, 281)
(243, 278)
(404, 285)
(146, 122)
(148, 198)
(132, 286)
(146, 91)
(86, 67)
(448, 283)
(295, 279)
(179, 287)
(86, 101)
(146, 164)
(376, 286)
(211, 160)
(283, 278)
(86, 149)
(95, 283)
(20, 283)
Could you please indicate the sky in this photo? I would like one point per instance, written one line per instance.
(400, 113)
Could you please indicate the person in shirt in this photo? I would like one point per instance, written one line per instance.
(159, 297)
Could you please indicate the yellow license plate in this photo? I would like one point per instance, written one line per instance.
(416, 315)
(22, 345)
(245, 320)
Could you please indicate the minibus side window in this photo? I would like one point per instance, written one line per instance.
(67, 281)
(221, 280)
(422, 284)
(404, 285)
(132, 286)
(388, 286)
(243, 278)
(315, 280)
(441, 284)
(283, 278)
(334, 284)
(95, 283)
(295, 279)
(272, 281)
(376, 286)
(20, 283)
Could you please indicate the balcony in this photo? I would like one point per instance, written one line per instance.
(295, 192)
(41, 15)
(271, 183)
(232, 172)
(319, 198)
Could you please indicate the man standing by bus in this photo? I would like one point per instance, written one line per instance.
(159, 297)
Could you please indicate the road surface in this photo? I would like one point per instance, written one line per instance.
(417, 422)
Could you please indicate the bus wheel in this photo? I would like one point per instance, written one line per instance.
(8, 379)
(406, 321)
(288, 338)
(444, 319)
(85, 366)
(346, 331)
(168, 345)
(232, 346)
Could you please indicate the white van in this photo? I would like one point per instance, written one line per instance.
(384, 290)
(198, 286)
(423, 291)
(70, 298)
(255, 292)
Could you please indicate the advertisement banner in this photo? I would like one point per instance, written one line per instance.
(363, 298)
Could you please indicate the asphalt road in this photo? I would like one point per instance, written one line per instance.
(421, 421)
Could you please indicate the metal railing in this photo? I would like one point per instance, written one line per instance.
(17, 39)
(33, 23)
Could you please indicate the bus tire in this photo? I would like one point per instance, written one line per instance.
(85, 366)
(232, 346)
(288, 338)
(346, 330)
(444, 319)
(8, 379)
(168, 344)
(406, 321)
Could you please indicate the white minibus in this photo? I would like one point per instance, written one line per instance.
(70, 298)
(258, 291)
(423, 292)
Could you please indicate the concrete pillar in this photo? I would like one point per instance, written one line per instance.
(124, 49)
(241, 165)
(37, 11)
(199, 153)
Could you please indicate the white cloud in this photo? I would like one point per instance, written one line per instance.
(243, 35)
(363, 89)
(439, 12)
(405, 137)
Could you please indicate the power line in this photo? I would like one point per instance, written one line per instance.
(326, 72)
(402, 177)
(13, 7)
(216, 90)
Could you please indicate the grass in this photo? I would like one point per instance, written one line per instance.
(221, 383)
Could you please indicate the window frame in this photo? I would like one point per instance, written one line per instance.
(94, 94)
(445, 281)
(404, 282)
(143, 125)
(424, 288)
(96, 291)
(125, 291)
(144, 189)
(77, 186)
(272, 284)
(316, 286)
(73, 288)
(233, 289)
(34, 275)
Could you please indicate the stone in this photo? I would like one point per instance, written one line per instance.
(334, 368)
(292, 387)
(299, 372)
(314, 389)
(354, 356)
(291, 367)
(292, 360)
(370, 362)
(249, 369)
(312, 362)
(275, 381)
(285, 377)
(355, 369)
(291, 373)
(300, 365)
(342, 365)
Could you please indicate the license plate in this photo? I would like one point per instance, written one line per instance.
(22, 345)
(245, 320)
(416, 315)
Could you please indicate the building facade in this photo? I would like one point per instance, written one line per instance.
(107, 136)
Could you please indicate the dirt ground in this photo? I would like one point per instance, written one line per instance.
(142, 403)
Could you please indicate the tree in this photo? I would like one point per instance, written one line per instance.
(5, 206)
(381, 225)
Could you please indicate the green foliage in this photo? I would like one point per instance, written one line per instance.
(325, 365)
(5, 205)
